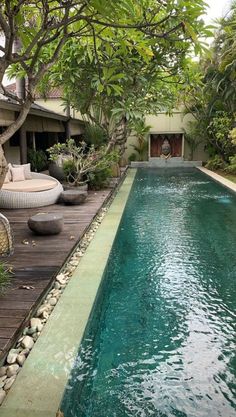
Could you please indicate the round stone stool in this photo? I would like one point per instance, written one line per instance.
(73, 197)
(46, 223)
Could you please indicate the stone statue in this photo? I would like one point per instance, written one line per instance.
(165, 149)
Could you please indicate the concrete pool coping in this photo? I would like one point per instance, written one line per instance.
(218, 178)
(38, 389)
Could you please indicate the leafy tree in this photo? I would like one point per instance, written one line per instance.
(116, 79)
(211, 96)
(40, 28)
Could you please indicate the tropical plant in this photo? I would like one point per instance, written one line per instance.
(216, 163)
(141, 130)
(132, 157)
(37, 159)
(231, 168)
(219, 131)
(94, 135)
(232, 135)
(210, 91)
(81, 161)
(99, 178)
(4, 277)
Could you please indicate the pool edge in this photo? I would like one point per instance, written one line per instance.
(218, 178)
(39, 387)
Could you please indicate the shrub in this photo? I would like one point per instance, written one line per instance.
(132, 157)
(231, 168)
(232, 135)
(94, 135)
(216, 163)
(219, 130)
(99, 179)
(69, 169)
(37, 159)
(79, 162)
(4, 277)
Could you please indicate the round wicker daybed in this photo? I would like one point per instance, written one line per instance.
(41, 190)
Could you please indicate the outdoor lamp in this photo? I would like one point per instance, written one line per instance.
(6, 238)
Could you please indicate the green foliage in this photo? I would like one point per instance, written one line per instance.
(37, 159)
(4, 277)
(94, 135)
(79, 162)
(216, 163)
(210, 91)
(231, 168)
(232, 136)
(99, 179)
(132, 157)
(219, 131)
(69, 169)
(55, 151)
(193, 137)
(141, 131)
(111, 54)
(128, 72)
(142, 150)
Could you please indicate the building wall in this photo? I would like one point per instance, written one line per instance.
(12, 153)
(163, 123)
(56, 105)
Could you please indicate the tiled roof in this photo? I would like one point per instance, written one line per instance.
(55, 92)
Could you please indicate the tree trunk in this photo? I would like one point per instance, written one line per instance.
(3, 167)
(119, 136)
(8, 133)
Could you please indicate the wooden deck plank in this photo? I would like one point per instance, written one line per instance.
(36, 265)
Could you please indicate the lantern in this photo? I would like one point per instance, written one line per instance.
(6, 238)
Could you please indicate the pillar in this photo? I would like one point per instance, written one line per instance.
(23, 145)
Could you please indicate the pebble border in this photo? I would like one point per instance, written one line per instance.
(17, 356)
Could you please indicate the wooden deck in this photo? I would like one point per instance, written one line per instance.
(35, 264)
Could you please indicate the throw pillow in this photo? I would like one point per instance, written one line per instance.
(27, 169)
(18, 174)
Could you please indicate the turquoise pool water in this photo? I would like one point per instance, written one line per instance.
(161, 338)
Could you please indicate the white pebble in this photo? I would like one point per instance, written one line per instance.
(12, 355)
(27, 342)
(52, 301)
(20, 359)
(12, 370)
(2, 395)
(3, 370)
(9, 382)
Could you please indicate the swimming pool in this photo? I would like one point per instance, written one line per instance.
(161, 339)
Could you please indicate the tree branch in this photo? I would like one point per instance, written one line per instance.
(7, 134)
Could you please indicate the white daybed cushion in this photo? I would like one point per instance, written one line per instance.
(30, 186)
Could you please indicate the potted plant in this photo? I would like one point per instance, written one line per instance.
(57, 156)
(79, 162)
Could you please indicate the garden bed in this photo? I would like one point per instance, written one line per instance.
(230, 177)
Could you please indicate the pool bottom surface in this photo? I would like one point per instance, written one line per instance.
(161, 339)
